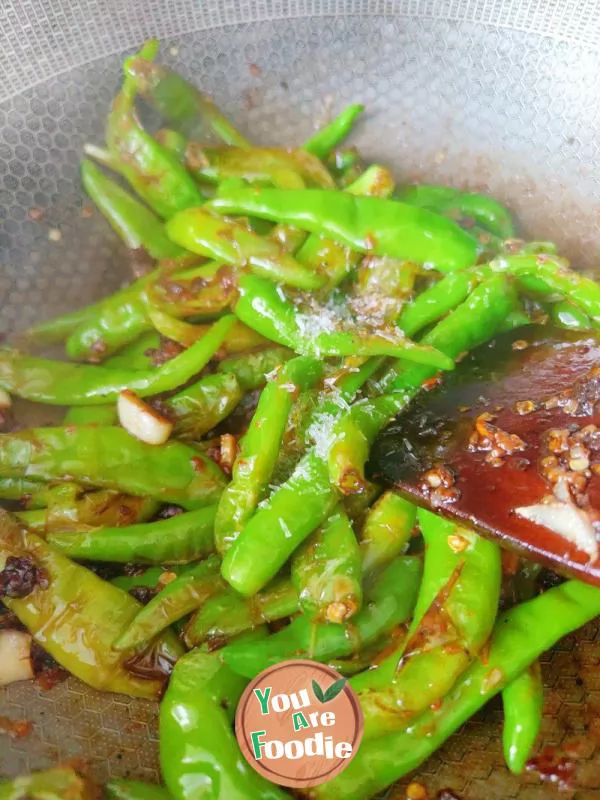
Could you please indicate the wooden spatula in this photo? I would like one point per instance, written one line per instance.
(510, 444)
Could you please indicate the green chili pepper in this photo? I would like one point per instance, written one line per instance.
(251, 369)
(69, 507)
(383, 286)
(330, 136)
(199, 755)
(118, 789)
(566, 315)
(226, 614)
(186, 593)
(267, 540)
(77, 616)
(346, 165)
(123, 317)
(262, 307)
(520, 636)
(469, 325)
(329, 256)
(33, 492)
(57, 329)
(110, 457)
(172, 140)
(257, 164)
(91, 415)
(232, 243)
(132, 221)
(111, 324)
(178, 101)
(368, 224)
(238, 339)
(358, 505)
(260, 447)
(386, 532)
(472, 323)
(554, 272)
(149, 578)
(326, 571)
(485, 210)
(388, 604)
(178, 540)
(297, 507)
(154, 172)
(523, 701)
(437, 300)
(59, 783)
(200, 407)
(134, 356)
(61, 383)
(445, 634)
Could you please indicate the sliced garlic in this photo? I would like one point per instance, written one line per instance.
(15, 657)
(141, 420)
(566, 519)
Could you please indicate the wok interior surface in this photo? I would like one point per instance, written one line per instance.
(498, 96)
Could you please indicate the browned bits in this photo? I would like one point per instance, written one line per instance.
(198, 464)
(443, 496)
(143, 594)
(524, 407)
(36, 214)
(520, 344)
(457, 543)
(438, 477)
(167, 577)
(87, 211)
(491, 439)
(20, 576)
(254, 70)
(337, 612)
(568, 459)
(15, 728)
(416, 791)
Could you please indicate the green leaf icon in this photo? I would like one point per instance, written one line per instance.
(335, 688)
(318, 692)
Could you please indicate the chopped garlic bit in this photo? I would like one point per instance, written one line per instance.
(15, 657)
(566, 519)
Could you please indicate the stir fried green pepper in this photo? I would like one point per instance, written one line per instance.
(137, 226)
(177, 100)
(368, 224)
(444, 635)
(330, 136)
(110, 457)
(186, 593)
(389, 604)
(61, 383)
(76, 616)
(178, 540)
(154, 172)
(327, 571)
(253, 467)
(198, 750)
(519, 637)
(523, 702)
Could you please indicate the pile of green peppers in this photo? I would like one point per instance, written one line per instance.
(299, 301)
